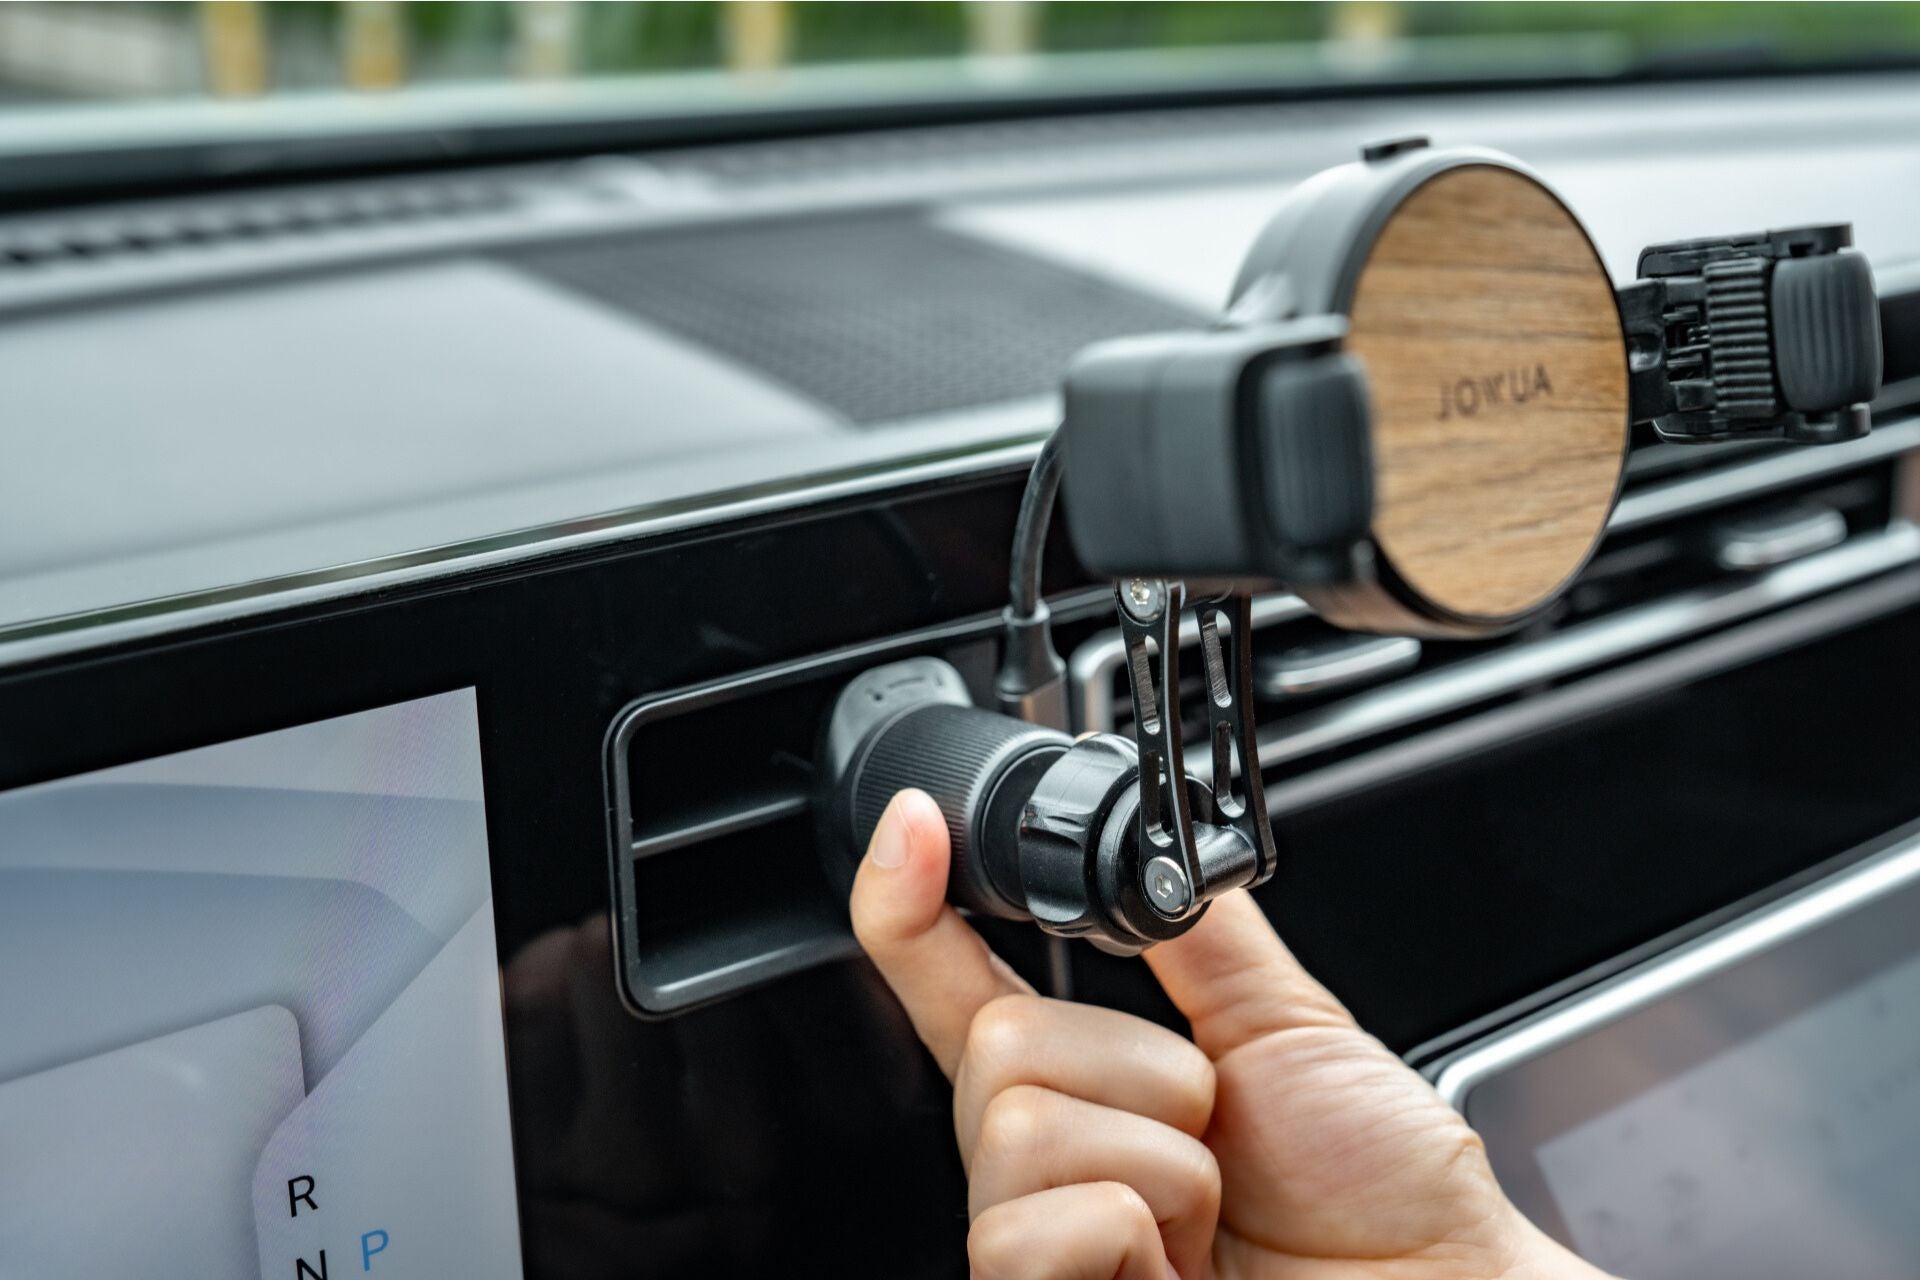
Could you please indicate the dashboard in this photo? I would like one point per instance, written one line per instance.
(420, 595)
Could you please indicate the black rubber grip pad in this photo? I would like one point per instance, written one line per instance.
(1826, 332)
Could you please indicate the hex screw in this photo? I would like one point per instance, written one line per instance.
(1143, 598)
(1166, 885)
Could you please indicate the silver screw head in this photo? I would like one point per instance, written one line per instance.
(1143, 598)
(1166, 886)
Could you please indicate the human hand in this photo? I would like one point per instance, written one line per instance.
(1281, 1143)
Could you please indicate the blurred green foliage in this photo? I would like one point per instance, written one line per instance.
(449, 40)
(829, 32)
(687, 34)
(1806, 30)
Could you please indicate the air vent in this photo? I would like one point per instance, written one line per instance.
(209, 224)
(1688, 553)
(716, 871)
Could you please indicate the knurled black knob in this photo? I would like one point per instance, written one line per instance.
(979, 767)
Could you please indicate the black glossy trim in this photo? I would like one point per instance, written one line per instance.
(777, 1123)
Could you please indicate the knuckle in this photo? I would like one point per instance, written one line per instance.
(1002, 1033)
(1195, 1086)
(1203, 1183)
(1466, 1154)
(1012, 1125)
(995, 1242)
(1129, 1208)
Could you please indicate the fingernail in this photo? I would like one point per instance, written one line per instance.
(889, 848)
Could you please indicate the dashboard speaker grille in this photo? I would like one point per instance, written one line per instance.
(880, 317)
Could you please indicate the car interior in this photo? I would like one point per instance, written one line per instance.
(480, 550)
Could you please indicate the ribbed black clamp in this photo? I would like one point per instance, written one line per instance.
(1739, 338)
(1744, 337)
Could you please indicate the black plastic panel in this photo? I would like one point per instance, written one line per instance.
(800, 1122)
(1429, 902)
(735, 1140)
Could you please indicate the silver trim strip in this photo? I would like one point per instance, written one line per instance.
(1589, 645)
(1772, 925)
(1658, 502)
(1318, 668)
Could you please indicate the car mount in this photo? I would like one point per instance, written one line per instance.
(1414, 414)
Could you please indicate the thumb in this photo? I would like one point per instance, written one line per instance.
(1236, 981)
(941, 970)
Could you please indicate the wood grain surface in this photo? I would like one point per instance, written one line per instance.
(1499, 381)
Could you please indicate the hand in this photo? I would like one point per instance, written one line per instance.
(1281, 1142)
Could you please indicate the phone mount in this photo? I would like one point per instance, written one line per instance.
(1415, 415)
(1101, 837)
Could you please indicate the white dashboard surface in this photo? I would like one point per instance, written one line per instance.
(336, 420)
(316, 426)
(1186, 244)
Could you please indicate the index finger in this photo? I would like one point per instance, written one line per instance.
(943, 971)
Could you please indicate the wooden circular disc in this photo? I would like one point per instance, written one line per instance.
(1498, 375)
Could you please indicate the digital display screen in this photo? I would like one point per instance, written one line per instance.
(250, 1019)
(1761, 1121)
(1795, 1153)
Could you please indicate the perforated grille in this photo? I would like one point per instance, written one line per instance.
(880, 317)
(214, 225)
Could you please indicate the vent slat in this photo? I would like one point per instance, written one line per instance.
(723, 822)
(1654, 582)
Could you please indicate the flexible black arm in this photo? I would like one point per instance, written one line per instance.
(1030, 531)
(1032, 681)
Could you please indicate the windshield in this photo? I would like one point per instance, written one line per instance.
(66, 53)
(105, 97)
